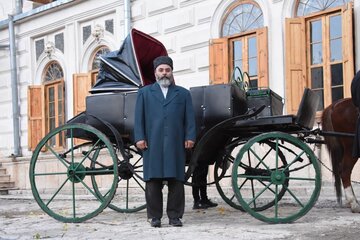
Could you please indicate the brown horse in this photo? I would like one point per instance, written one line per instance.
(341, 116)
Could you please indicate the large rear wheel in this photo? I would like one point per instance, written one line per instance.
(288, 188)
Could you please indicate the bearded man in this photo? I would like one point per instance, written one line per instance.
(164, 128)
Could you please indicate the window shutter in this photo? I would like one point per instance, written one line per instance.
(81, 88)
(263, 67)
(219, 61)
(36, 116)
(348, 48)
(295, 62)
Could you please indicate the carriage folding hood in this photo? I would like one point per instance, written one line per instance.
(130, 67)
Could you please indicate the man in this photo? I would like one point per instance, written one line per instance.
(164, 128)
(355, 95)
(199, 188)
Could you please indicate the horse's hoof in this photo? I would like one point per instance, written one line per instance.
(355, 209)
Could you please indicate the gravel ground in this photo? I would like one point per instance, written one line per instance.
(22, 218)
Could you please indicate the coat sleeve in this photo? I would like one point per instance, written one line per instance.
(139, 122)
(355, 89)
(190, 125)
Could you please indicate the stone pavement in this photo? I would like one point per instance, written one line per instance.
(22, 218)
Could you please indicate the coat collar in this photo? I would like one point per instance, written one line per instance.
(171, 94)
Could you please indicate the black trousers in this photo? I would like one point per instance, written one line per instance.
(199, 181)
(154, 198)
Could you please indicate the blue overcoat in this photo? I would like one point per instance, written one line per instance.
(165, 124)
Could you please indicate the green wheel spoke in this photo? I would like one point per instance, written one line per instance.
(73, 198)
(49, 174)
(253, 177)
(260, 159)
(72, 145)
(90, 172)
(277, 153)
(301, 179)
(270, 189)
(294, 161)
(63, 161)
(253, 191)
(87, 154)
(50, 200)
(276, 201)
(88, 188)
(293, 195)
(259, 194)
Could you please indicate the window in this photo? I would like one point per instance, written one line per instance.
(95, 63)
(319, 52)
(46, 106)
(82, 82)
(243, 47)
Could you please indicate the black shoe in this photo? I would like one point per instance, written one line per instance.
(199, 205)
(155, 222)
(176, 222)
(208, 203)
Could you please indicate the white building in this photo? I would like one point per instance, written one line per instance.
(283, 44)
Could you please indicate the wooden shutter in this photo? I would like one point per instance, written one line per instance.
(348, 48)
(81, 88)
(36, 116)
(263, 60)
(295, 62)
(219, 61)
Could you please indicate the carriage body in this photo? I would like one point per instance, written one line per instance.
(231, 124)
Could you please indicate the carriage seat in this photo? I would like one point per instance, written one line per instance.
(304, 118)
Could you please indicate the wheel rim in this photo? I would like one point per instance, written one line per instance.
(61, 181)
(270, 176)
(130, 195)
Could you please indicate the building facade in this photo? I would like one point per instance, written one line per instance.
(282, 44)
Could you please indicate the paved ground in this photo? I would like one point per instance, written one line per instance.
(21, 218)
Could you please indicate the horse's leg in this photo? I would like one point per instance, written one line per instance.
(347, 167)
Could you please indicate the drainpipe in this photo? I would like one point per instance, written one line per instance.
(127, 17)
(14, 88)
(18, 7)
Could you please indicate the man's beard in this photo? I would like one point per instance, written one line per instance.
(164, 82)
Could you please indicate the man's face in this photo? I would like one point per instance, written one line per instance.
(164, 75)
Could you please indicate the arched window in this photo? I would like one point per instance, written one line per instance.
(243, 46)
(306, 7)
(242, 18)
(319, 50)
(53, 80)
(95, 63)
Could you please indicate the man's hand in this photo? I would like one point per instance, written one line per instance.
(189, 144)
(142, 144)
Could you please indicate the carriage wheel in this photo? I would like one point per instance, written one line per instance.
(269, 175)
(62, 179)
(222, 174)
(130, 183)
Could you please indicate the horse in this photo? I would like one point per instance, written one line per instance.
(341, 117)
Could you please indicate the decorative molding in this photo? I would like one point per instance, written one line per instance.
(98, 32)
(49, 49)
(180, 20)
(161, 6)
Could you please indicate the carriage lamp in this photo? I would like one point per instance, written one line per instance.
(98, 32)
(49, 49)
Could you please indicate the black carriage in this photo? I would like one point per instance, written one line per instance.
(274, 175)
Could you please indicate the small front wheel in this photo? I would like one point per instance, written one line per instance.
(76, 181)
